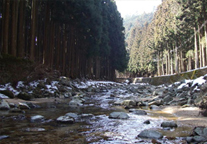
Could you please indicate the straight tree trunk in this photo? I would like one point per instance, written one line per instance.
(158, 64)
(171, 59)
(196, 49)
(176, 60)
(33, 29)
(203, 55)
(46, 31)
(199, 47)
(5, 16)
(15, 5)
(21, 33)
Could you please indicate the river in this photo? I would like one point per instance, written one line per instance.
(95, 128)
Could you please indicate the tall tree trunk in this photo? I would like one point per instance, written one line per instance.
(203, 55)
(205, 26)
(158, 64)
(176, 59)
(182, 62)
(196, 49)
(5, 16)
(15, 5)
(171, 59)
(46, 31)
(33, 29)
(199, 47)
(21, 33)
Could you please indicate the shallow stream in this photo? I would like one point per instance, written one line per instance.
(97, 129)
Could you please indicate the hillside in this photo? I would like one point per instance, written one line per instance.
(136, 20)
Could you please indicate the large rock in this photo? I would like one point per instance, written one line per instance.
(118, 115)
(72, 115)
(129, 103)
(169, 124)
(201, 131)
(23, 106)
(4, 105)
(75, 103)
(65, 119)
(138, 112)
(37, 118)
(167, 99)
(24, 96)
(152, 134)
(156, 102)
(158, 91)
(7, 93)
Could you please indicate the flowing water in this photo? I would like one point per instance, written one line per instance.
(97, 129)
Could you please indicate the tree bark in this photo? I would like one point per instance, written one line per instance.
(5, 16)
(196, 49)
(15, 5)
(33, 29)
(21, 33)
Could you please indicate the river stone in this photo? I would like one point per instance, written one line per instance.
(167, 99)
(4, 137)
(7, 93)
(199, 139)
(37, 118)
(72, 115)
(152, 134)
(169, 124)
(154, 107)
(75, 103)
(147, 122)
(138, 112)
(158, 91)
(4, 105)
(118, 115)
(16, 110)
(23, 106)
(24, 96)
(157, 102)
(201, 131)
(65, 119)
(129, 103)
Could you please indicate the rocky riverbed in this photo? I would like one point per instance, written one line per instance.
(85, 111)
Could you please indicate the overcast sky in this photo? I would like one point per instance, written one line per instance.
(130, 7)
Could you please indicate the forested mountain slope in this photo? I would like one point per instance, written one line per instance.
(78, 38)
(174, 41)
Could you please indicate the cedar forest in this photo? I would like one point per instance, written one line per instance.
(86, 38)
(79, 38)
(172, 40)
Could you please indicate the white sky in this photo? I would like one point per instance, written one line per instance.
(129, 7)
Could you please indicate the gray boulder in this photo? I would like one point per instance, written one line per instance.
(23, 106)
(199, 139)
(65, 119)
(138, 112)
(169, 124)
(167, 99)
(158, 91)
(72, 115)
(37, 118)
(129, 103)
(7, 93)
(4, 105)
(152, 134)
(201, 131)
(118, 115)
(24, 96)
(156, 102)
